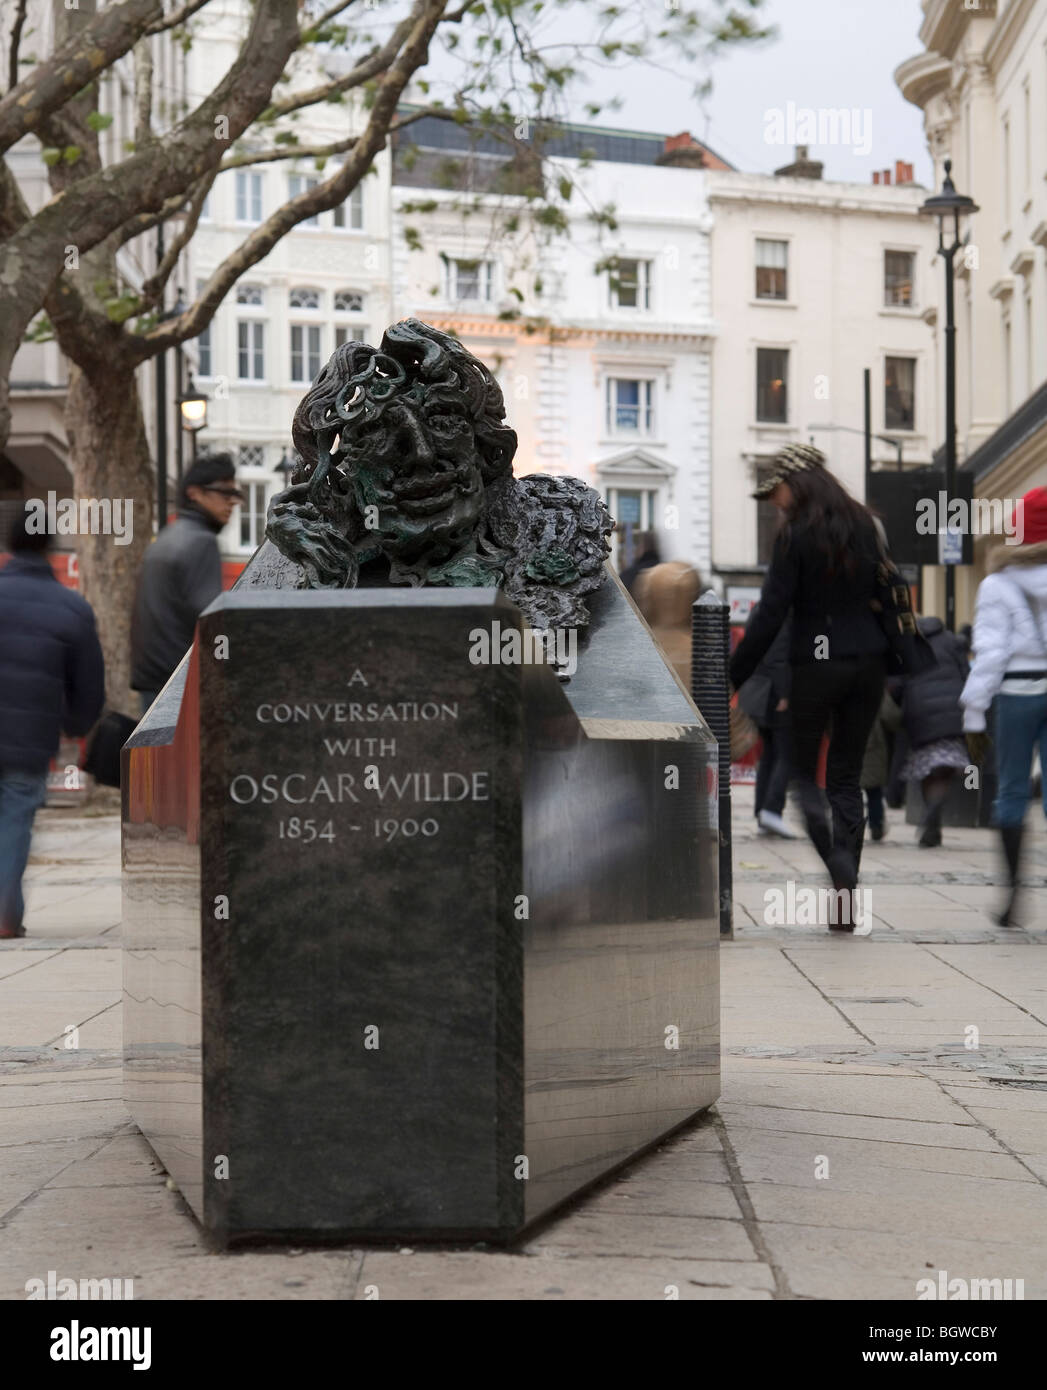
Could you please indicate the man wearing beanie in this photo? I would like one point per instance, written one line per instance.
(182, 573)
(1010, 665)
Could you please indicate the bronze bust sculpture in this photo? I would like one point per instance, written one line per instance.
(406, 461)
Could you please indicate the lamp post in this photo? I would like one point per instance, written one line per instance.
(179, 309)
(164, 316)
(945, 205)
(193, 408)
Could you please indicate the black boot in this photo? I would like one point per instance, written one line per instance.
(1011, 835)
(846, 856)
(931, 834)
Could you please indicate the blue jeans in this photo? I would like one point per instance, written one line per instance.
(20, 795)
(1020, 722)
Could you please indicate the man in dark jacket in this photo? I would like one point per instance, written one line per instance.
(51, 678)
(181, 575)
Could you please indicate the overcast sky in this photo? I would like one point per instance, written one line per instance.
(837, 55)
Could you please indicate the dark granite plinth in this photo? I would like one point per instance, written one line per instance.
(430, 985)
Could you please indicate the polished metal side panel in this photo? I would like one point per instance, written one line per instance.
(161, 934)
(621, 949)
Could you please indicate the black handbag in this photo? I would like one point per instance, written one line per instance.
(103, 751)
(909, 652)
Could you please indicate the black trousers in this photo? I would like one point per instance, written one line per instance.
(773, 770)
(846, 692)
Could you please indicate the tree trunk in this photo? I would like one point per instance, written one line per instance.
(110, 464)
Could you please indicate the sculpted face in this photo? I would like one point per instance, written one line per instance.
(419, 465)
(405, 471)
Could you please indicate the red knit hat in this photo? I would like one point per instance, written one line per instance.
(1031, 516)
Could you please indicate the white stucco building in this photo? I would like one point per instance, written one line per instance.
(982, 85)
(326, 281)
(813, 282)
(601, 342)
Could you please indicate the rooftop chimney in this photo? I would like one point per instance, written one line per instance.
(902, 172)
(801, 167)
(682, 152)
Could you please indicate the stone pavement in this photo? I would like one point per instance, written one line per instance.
(884, 1109)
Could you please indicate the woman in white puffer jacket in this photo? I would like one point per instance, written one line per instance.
(1010, 665)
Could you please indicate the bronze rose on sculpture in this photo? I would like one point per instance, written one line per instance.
(406, 462)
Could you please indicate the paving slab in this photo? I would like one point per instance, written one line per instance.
(854, 1050)
(488, 1276)
(832, 1263)
(610, 1233)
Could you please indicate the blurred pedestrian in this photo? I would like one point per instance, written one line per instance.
(877, 763)
(765, 699)
(665, 595)
(1010, 664)
(52, 679)
(181, 575)
(933, 720)
(646, 555)
(824, 567)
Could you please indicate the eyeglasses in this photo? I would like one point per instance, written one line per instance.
(224, 491)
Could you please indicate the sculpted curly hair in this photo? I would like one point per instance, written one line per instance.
(542, 539)
(359, 381)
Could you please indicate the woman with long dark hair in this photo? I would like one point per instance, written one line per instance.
(823, 568)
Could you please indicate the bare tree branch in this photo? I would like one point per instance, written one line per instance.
(456, 16)
(13, 208)
(153, 288)
(143, 69)
(93, 208)
(424, 20)
(326, 17)
(146, 221)
(83, 333)
(441, 113)
(16, 42)
(238, 161)
(375, 63)
(107, 36)
(172, 21)
(97, 208)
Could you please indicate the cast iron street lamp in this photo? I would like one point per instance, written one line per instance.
(193, 408)
(946, 205)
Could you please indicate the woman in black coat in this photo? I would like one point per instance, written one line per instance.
(824, 569)
(934, 725)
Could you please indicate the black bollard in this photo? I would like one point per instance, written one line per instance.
(710, 691)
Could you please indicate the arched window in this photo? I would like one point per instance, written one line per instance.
(349, 302)
(303, 297)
